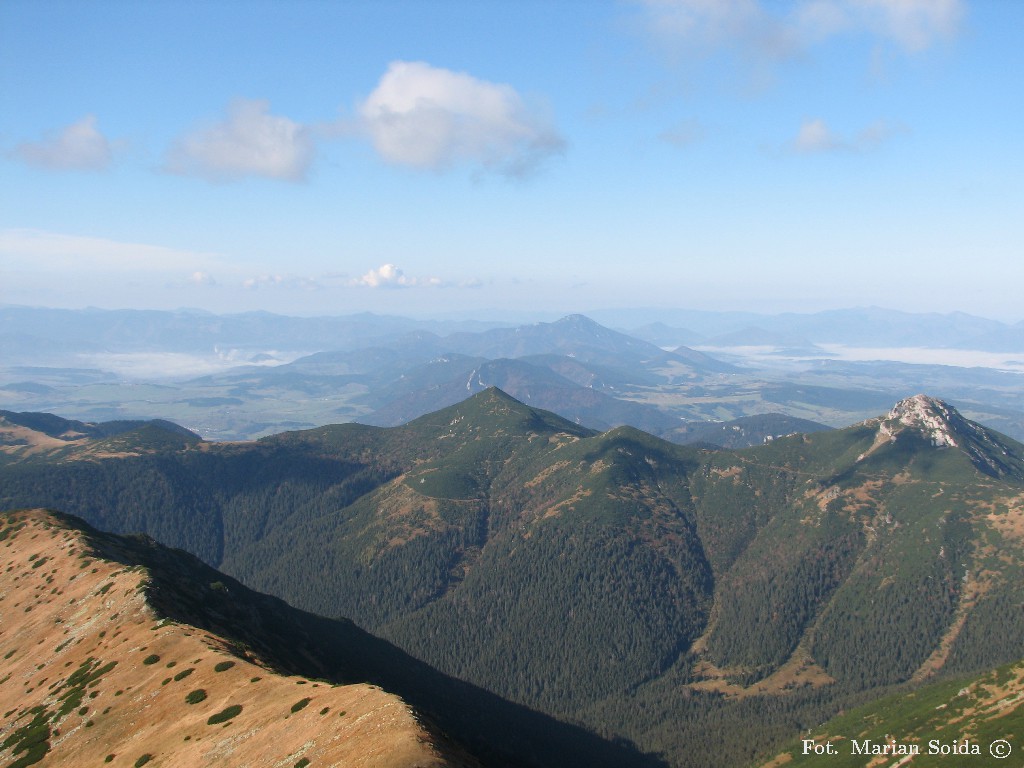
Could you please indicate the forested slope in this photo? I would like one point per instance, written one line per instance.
(140, 613)
(645, 589)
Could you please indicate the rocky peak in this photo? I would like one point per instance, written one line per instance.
(934, 419)
(943, 426)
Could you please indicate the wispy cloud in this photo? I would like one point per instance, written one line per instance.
(431, 118)
(77, 147)
(683, 134)
(249, 141)
(42, 251)
(816, 136)
(384, 276)
(913, 24)
(171, 365)
(703, 26)
(293, 282)
(764, 32)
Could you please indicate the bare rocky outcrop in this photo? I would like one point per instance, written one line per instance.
(939, 423)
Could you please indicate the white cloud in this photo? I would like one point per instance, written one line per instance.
(390, 276)
(431, 118)
(202, 278)
(386, 275)
(816, 136)
(756, 29)
(248, 142)
(252, 283)
(80, 147)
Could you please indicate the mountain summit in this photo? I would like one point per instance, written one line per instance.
(930, 417)
(942, 425)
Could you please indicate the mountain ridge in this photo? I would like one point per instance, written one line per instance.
(244, 641)
(597, 576)
(111, 646)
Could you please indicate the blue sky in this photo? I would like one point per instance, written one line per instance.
(431, 157)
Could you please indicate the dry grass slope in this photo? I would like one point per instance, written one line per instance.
(91, 675)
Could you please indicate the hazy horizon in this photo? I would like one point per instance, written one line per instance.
(639, 315)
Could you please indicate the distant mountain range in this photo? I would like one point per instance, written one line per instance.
(865, 326)
(46, 334)
(246, 376)
(703, 605)
(189, 330)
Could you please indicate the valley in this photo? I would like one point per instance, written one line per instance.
(241, 377)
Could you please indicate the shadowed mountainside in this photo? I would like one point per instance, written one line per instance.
(144, 644)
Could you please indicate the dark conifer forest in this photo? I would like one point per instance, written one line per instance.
(700, 605)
